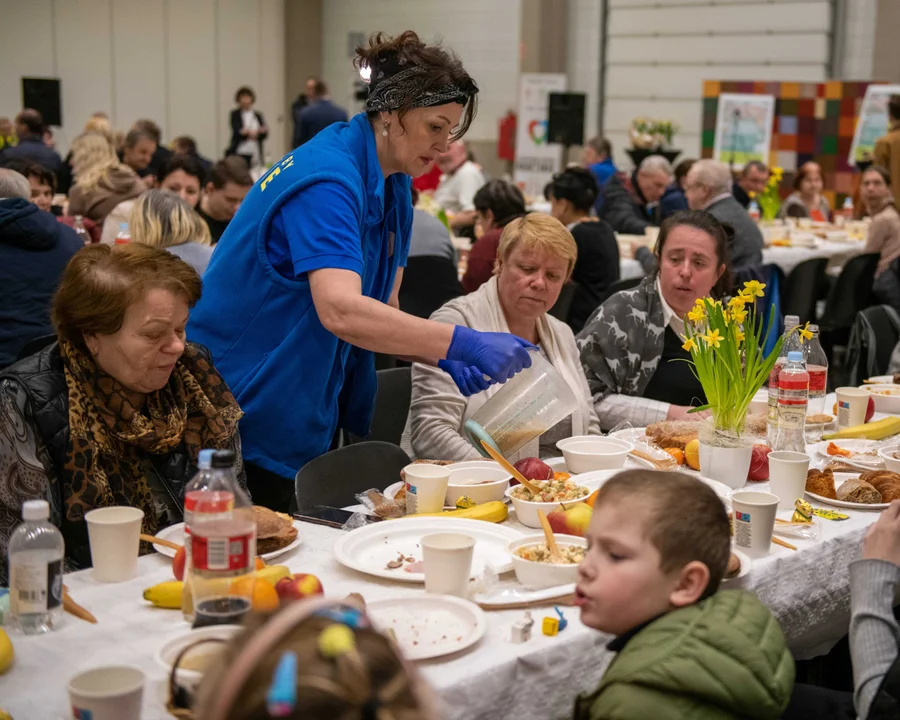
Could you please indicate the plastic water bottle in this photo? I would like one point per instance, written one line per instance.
(223, 547)
(753, 211)
(199, 483)
(80, 230)
(817, 367)
(791, 342)
(793, 399)
(124, 237)
(847, 210)
(36, 551)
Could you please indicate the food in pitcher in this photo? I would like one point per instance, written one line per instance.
(568, 554)
(734, 566)
(858, 491)
(885, 482)
(551, 491)
(821, 482)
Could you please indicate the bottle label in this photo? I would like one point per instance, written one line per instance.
(222, 553)
(35, 588)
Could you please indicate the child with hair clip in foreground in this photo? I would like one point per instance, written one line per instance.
(658, 546)
(315, 660)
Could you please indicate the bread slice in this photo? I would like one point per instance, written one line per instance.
(858, 491)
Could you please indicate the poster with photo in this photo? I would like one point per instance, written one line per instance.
(872, 122)
(743, 128)
(536, 159)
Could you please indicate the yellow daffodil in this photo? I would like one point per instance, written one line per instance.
(805, 333)
(697, 314)
(738, 302)
(739, 316)
(753, 288)
(739, 336)
(726, 317)
(689, 344)
(713, 338)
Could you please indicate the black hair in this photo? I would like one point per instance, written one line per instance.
(894, 107)
(754, 164)
(503, 199)
(577, 185)
(245, 90)
(30, 169)
(188, 163)
(721, 233)
(32, 120)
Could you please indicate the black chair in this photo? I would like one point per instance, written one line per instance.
(804, 286)
(428, 282)
(851, 293)
(391, 406)
(562, 308)
(36, 345)
(336, 477)
(620, 285)
(873, 337)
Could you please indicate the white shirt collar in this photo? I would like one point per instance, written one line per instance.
(716, 199)
(670, 317)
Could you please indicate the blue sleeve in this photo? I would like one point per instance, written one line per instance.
(406, 239)
(317, 228)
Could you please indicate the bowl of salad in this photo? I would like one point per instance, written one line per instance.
(537, 569)
(553, 494)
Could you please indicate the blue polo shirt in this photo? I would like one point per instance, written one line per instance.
(325, 205)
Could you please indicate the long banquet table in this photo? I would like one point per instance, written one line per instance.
(807, 590)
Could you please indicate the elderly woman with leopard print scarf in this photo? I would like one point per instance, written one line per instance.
(116, 411)
(631, 345)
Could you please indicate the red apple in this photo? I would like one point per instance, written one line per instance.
(178, 564)
(870, 409)
(571, 519)
(299, 585)
(534, 469)
(759, 463)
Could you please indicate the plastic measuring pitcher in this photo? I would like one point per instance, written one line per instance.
(525, 407)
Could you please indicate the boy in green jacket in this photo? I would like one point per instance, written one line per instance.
(658, 546)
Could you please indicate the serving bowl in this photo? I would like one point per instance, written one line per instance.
(584, 453)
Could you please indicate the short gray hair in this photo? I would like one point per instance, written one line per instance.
(14, 185)
(657, 164)
(713, 174)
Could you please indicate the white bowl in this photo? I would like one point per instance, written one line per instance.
(537, 575)
(168, 653)
(887, 454)
(592, 452)
(527, 511)
(481, 480)
(885, 403)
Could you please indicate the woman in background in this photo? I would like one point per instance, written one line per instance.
(248, 129)
(497, 203)
(807, 200)
(101, 181)
(162, 219)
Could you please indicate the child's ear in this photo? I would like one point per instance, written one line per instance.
(692, 581)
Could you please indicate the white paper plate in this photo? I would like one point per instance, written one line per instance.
(880, 380)
(429, 626)
(839, 479)
(175, 534)
(370, 548)
(867, 462)
(745, 566)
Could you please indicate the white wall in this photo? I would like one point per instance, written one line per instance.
(484, 34)
(583, 53)
(177, 62)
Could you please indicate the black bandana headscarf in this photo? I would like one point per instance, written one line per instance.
(395, 84)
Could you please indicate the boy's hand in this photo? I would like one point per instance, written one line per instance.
(883, 539)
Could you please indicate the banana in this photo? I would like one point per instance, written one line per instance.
(494, 511)
(273, 573)
(165, 594)
(6, 652)
(877, 430)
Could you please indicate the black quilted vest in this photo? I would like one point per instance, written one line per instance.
(41, 375)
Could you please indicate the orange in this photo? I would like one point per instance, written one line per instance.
(262, 594)
(560, 476)
(692, 454)
(675, 453)
(260, 563)
(592, 498)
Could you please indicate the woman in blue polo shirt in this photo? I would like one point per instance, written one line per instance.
(302, 288)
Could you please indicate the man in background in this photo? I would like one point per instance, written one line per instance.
(887, 148)
(632, 204)
(597, 157)
(460, 180)
(186, 145)
(299, 105)
(752, 179)
(229, 182)
(162, 154)
(137, 152)
(319, 114)
(30, 131)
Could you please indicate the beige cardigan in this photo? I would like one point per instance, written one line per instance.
(884, 237)
(438, 409)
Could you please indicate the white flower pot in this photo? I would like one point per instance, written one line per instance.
(728, 465)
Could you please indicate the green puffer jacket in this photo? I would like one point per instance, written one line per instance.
(725, 657)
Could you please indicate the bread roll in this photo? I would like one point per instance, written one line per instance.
(821, 482)
(858, 491)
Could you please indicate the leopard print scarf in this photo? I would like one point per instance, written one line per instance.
(110, 437)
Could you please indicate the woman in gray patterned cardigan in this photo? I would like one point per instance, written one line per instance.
(630, 345)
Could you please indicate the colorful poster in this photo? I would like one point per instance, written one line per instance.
(743, 128)
(536, 159)
(872, 122)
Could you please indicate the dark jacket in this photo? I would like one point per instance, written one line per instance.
(33, 149)
(297, 107)
(596, 268)
(886, 704)
(740, 195)
(236, 137)
(746, 249)
(625, 208)
(672, 201)
(41, 376)
(34, 251)
(317, 117)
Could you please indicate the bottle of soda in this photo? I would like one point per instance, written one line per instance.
(791, 342)
(36, 551)
(793, 398)
(223, 547)
(124, 236)
(191, 494)
(753, 211)
(817, 367)
(80, 230)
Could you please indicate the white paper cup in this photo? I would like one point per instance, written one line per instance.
(787, 477)
(851, 406)
(107, 693)
(448, 563)
(114, 535)
(754, 520)
(426, 487)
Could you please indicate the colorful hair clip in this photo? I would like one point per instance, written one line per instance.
(282, 696)
(351, 617)
(336, 640)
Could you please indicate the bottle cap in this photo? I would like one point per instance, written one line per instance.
(795, 356)
(223, 458)
(123, 227)
(204, 459)
(814, 328)
(35, 510)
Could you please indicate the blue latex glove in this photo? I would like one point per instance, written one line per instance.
(468, 379)
(497, 355)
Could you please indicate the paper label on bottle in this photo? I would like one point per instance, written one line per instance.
(222, 553)
(35, 588)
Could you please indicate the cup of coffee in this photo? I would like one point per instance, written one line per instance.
(114, 534)
(851, 406)
(447, 558)
(787, 477)
(754, 520)
(426, 487)
(107, 693)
